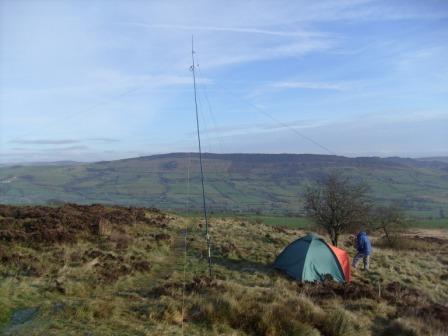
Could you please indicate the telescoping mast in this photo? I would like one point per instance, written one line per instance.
(204, 205)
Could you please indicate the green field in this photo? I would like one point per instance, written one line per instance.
(431, 223)
(306, 223)
(236, 183)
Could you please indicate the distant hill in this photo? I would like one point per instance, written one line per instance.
(269, 183)
(435, 158)
(42, 163)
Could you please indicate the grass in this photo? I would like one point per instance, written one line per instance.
(277, 221)
(282, 221)
(101, 286)
(300, 222)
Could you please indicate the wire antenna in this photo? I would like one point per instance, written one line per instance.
(276, 120)
(200, 162)
(186, 242)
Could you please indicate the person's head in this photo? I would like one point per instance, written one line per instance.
(363, 229)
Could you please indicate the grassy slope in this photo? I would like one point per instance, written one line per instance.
(305, 223)
(268, 183)
(81, 288)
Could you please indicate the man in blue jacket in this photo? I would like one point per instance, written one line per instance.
(364, 250)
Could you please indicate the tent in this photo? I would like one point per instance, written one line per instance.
(344, 261)
(310, 258)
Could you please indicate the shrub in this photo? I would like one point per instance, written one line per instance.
(402, 243)
(392, 221)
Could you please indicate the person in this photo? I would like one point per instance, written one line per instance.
(364, 250)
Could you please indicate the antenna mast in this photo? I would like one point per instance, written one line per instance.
(193, 68)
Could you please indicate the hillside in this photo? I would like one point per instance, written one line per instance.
(435, 158)
(269, 183)
(95, 270)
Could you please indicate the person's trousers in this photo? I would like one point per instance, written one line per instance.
(365, 258)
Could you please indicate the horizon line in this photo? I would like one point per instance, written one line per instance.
(43, 162)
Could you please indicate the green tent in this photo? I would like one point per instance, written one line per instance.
(309, 258)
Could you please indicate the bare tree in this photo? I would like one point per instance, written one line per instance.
(338, 205)
(391, 220)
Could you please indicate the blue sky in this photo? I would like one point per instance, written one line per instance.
(94, 80)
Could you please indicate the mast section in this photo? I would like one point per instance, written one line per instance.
(204, 205)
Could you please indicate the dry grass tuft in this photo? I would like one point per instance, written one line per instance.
(399, 327)
(339, 322)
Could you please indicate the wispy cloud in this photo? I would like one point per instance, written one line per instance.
(103, 82)
(239, 129)
(337, 86)
(377, 118)
(62, 141)
(45, 142)
(242, 30)
(368, 10)
(105, 140)
(410, 116)
(67, 149)
(285, 50)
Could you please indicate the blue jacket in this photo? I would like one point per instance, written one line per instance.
(363, 244)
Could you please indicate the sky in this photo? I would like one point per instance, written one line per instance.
(103, 79)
